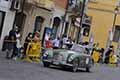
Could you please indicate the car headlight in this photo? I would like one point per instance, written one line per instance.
(87, 60)
(45, 54)
(70, 58)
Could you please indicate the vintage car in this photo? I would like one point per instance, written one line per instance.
(68, 58)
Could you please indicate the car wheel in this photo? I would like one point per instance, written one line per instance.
(46, 64)
(75, 65)
(87, 69)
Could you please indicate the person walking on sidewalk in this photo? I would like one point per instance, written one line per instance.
(18, 46)
(11, 42)
(10, 46)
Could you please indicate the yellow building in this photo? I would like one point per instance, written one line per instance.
(102, 12)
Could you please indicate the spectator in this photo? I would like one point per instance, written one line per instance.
(27, 41)
(48, 43)
(18, 45)
(56, 43)
(107, 54)
(10, 46)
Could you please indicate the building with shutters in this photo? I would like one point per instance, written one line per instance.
(77, 19)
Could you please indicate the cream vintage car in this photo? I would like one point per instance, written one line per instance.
(68, 58)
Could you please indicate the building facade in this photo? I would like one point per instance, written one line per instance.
(103, 17)
(36, 16)
(6, 19)
(57, 19)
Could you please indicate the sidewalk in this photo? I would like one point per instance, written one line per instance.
(2, 55)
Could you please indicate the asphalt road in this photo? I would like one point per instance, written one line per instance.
(18, 70)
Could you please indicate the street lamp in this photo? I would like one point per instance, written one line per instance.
(111, 33)
(115, 16)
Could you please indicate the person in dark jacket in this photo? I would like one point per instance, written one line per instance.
(13, 33)
(107, 54)
(27, 41)
(10, 46)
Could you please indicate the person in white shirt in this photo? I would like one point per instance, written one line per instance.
(65, 39)
(18, 46)
(56, 43)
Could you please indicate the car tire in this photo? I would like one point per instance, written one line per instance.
(75, 65)
(87, 69)
(46, 64)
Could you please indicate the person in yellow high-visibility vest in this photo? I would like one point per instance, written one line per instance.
(113, 58)
(96, 56)
(34, 50)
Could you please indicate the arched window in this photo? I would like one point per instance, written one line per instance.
(38, 23)
(56, 24)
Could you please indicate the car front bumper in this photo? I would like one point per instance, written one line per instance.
(58, 63)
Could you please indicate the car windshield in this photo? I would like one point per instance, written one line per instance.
(78, 48)
(63, 51)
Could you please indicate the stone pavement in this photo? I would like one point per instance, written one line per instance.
(18, 70)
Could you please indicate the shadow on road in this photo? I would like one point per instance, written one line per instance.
(68, 69)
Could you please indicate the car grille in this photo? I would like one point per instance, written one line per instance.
(83, 60)
(58, 57)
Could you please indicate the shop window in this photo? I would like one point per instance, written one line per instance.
(2, 16)
(38, 23)
(117, 33)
